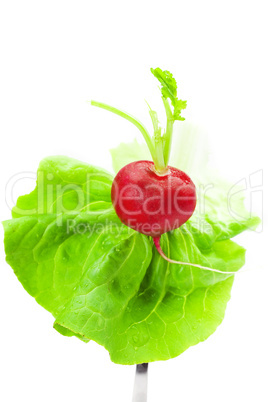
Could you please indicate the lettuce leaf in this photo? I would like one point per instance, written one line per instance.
(64, 185)
(105, 282)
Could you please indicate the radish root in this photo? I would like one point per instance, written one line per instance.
(161, 252)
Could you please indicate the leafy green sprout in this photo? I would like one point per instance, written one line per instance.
(159, 143)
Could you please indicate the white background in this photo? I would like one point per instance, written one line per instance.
(57, 55)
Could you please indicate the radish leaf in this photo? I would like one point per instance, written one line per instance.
(169, 91)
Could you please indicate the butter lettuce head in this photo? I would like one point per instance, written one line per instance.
(105, 282)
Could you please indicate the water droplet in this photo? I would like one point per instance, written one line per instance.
(135, 339)
(195, 326)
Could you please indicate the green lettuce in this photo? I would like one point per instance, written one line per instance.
(104, 282)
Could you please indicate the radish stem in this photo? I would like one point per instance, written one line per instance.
(160, 143)
(134, 121)
(169, 130)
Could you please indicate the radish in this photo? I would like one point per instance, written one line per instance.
(153, 203)
(154, 198)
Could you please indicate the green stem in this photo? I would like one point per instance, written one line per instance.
(161, 166)
(154, 150)
(169, 131)
(158, 142)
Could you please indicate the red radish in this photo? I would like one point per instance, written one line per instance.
(152, 197)
(153, 203)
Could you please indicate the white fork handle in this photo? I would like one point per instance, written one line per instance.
(140, 384)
